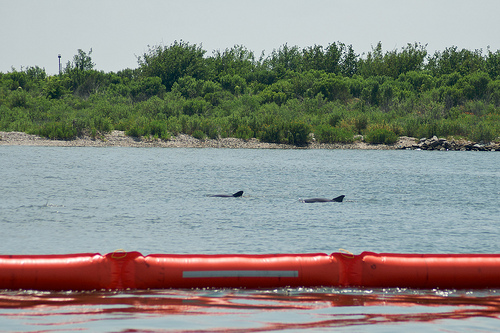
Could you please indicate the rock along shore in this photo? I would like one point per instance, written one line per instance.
(119, 139)
(436, 143)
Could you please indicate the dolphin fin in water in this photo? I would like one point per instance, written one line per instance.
(235, 195)
(340, 198)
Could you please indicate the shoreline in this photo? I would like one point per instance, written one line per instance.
(119, 139)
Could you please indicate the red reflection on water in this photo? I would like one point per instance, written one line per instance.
(214, 303)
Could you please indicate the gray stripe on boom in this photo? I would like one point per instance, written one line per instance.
(223, 274)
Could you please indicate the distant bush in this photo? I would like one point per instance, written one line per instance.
(381, 135)
(271, 133)
(297, 133)
(244, 132)
(198, 134)
(144, 127)
(328, 134)
(484, 133)
(57, 131)
(281, 98)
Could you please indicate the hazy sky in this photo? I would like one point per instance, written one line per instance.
(34, 32)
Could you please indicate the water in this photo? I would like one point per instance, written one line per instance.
(73, 200)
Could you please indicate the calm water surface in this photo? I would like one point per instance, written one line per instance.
(73, 200)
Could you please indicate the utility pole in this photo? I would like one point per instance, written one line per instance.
(59, 56)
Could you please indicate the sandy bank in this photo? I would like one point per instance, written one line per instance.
(119, 139)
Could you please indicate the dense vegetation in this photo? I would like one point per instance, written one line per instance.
(330, 91)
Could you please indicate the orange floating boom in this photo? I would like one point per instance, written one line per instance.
(446, 271)
(132, 270)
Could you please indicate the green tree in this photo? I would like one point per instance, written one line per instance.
(373, 64)
(333, 58)
(393, 63)
(411, 58)
(146, 88)
(332, 87)
(286, 58)
(453, 60)
(474, 86)
(84, 79)
(36, 73)
(234, 83)
(235, 61)
(56, 87)
(419, 81)
(349, 63)
(173, 62)
(313, 58)
(493, 64)
(81, 61)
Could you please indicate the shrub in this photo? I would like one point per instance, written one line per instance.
(197, 106)
(381, 135)
(198, 134)
(18, 98)
(297, 133)
(271, 133)
(484, 133)
(101, 124)
(334, 119)
(244, 132)
(327, 134)
(360, 123)
(145, 127)
(158, 129)
(57, 130)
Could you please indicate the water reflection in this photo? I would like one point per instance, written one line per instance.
(243, 310)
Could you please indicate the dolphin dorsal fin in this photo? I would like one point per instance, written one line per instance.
(340, 198)
(238, 194)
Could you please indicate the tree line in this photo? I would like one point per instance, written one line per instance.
(293, 95)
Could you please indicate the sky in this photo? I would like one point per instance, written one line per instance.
(34, 32)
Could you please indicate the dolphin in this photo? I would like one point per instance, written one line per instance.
(235, 195)
(340, 198)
